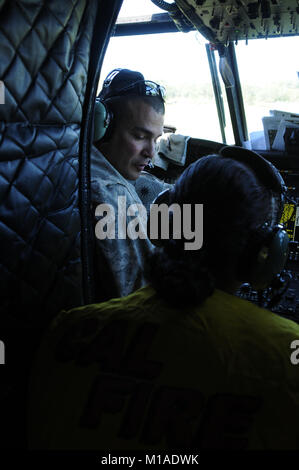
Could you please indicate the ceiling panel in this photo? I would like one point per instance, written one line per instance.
(233, 20)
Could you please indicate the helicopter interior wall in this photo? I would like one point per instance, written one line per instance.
(46, 69)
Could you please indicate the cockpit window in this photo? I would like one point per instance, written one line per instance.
(179, 62)
(269, 72)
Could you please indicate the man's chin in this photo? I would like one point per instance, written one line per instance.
(134, 174)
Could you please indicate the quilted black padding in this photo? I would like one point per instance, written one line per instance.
(50, 59)
(44, 50)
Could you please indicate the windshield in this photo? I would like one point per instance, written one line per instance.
(268, 72)
(178, 61)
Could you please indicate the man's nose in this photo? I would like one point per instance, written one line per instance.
(150, 149)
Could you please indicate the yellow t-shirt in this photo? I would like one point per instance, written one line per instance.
(134, 373)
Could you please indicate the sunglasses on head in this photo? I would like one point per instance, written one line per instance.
(140, 87)
(144, 88)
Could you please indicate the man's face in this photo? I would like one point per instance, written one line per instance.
(133, 142)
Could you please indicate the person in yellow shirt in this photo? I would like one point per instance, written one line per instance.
(182, 363)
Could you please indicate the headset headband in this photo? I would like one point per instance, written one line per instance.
(263, 169)
(120, 82)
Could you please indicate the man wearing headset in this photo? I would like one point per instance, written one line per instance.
(129, 118)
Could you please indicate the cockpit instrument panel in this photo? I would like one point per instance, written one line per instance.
(222, 21)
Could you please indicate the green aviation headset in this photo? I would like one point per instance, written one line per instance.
(267, 248)
(103, 121)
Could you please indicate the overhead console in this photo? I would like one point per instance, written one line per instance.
(222, 21)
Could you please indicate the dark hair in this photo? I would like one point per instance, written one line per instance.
(235, 204)
(118, 104)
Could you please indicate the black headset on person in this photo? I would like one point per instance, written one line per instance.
(266, 251)
(120, 82)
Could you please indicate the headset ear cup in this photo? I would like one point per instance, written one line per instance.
(269, 258)
(102, 121)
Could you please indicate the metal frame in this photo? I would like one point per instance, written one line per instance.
(217, 90)
(148, 24)
(105, 17)
(235, 99)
